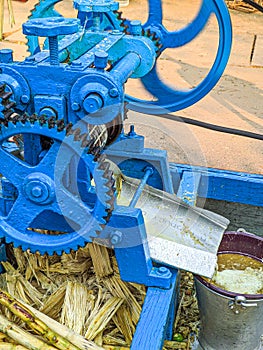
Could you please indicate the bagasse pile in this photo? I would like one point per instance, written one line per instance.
(242, 5)
(82, 291)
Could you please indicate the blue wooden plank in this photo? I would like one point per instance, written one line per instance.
(237, 187)
(156, 318)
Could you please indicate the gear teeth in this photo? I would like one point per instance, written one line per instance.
(84, 140)
(77, 134)
(67, 251)
(69, 129)
(6, 95)
(96, 152)
(119, 14)
(42, 120)
(106, 181)
(51, 122)
(89, 144)
(10, 105)
(60, 125)
(104, 165)
(14, 118)
(33, 118)
(24, 118)
(102, 158)
(6, 104)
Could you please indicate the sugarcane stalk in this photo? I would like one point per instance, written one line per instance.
(18, 309)
(76, 339)
(10, 346)
(1, 19)
(11, 12)
(22, 337)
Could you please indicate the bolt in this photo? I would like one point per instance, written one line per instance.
(100, 59)
(6, 55)
(36, 192)
(53, 50)
(24, 99)
(114, 92)
(75, 106)
(136, 27)
(115, 32)
(163, 271)
(76, 64)
(51, 27)
(116, 237)
(132, 133)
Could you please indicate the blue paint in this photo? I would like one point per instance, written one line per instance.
(70, 80)
(225, 185)
(147, 173)
(167, 98)
(40, 189)
(156, 318)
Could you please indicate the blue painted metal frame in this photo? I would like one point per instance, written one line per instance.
(127, 228)
(129, 153)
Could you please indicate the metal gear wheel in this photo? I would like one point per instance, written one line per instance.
(51, 194)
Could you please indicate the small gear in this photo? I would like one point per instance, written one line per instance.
(51, 196)
(6, 103)
(155, 39)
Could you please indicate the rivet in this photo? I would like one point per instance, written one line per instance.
(114, 92)
(75, 106)
(24, 99)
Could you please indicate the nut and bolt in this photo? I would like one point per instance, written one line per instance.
(100, 59)
(24, 99)
(116, 237)
(114, 92)
(75, 106)
(163, 271)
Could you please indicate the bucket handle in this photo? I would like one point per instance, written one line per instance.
(239, 303)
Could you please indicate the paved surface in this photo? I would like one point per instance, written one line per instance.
(235, 102)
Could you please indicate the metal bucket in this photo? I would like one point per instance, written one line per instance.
(230, 321)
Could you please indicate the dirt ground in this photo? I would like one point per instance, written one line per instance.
(235, 102)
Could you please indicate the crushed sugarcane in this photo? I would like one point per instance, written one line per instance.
(11, 346)
(82, 291)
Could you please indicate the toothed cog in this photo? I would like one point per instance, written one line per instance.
(63, 198)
